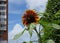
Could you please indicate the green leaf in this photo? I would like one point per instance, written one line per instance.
(24, 42)
(30, 42)
(45, 23)
(43, 14)
(18, 35)
(48, 29)
(57, 15)
(50, 41)
(56, 26)
(56, 21)
(31, 27)
(30, 32)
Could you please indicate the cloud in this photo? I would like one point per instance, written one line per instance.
(36, 4)
(17, 28)
(25, 37)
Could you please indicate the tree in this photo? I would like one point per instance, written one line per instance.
(51, 16)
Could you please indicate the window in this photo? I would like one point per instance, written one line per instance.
(2, 13)
(2, 2)
(2, 22)
(2, 26)
(2, 7)
(3, 19)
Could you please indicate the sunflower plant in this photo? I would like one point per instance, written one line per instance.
(30, 19)
(50, 22)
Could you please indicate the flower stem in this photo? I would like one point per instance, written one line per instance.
(40, 40)
(39, 36)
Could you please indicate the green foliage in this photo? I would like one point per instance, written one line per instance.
(56, 26)
(57, 15)
(24, 42)
(51, 19)
(47, 27)
(50, 41)
(28, 42)
(57, 18)
(53, 6)
(31, 28)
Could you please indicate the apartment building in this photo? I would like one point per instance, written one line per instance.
(3, 21)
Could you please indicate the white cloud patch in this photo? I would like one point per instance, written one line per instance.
(36, 4)
(17, 28)
(25, 37)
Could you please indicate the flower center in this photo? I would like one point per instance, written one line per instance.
(30, 19)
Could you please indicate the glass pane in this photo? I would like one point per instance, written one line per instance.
(2, 20)
(2, 13)
(2, 7)
(2, 2)
(2, 26)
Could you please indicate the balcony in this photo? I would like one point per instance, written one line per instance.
(2, 1)
(3, 16)
(2, 7)
(2, 19)
(2, 13)
(3, 22)
(2, 26)
(2, 10)
(2, 4)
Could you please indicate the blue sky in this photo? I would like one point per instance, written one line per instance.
(15, 13)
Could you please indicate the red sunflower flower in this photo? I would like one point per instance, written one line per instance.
(30, 16)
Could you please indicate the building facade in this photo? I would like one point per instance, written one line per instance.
(3, 20)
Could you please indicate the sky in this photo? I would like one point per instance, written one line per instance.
(16, 9)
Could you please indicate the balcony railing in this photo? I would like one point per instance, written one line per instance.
(2, 13)
(3, 16)
(2, 7)
(2, 26)
(2, 2)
